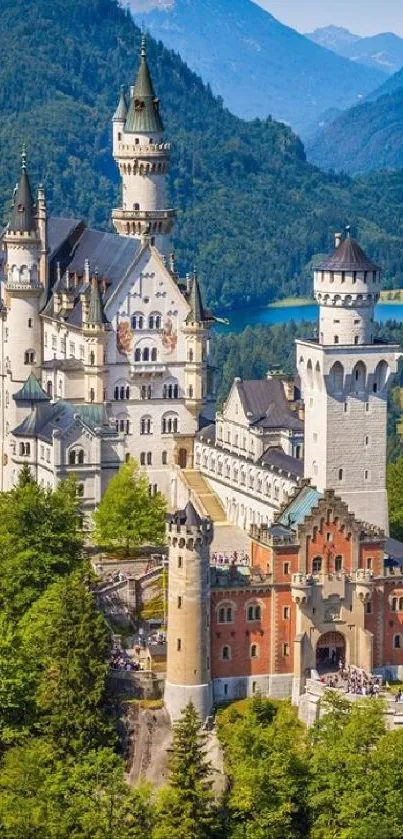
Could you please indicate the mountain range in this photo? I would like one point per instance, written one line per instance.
(258, 65)
(382, 52)
(366, 138)
(251, 211)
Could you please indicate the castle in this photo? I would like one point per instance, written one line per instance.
(104, 347)
(104, 355)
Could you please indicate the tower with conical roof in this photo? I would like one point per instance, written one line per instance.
(23, 287)
(345, 375)
(95, 329)
(188, 678)
(143, 158)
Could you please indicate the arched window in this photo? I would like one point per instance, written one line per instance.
(80, 490)
(225, 613)
(80, 456)
(381, 376)
(359, 377)
(137, 354)
(158, 321)
(397, 642)
(254, 651)
(154, 354)
(395, 603)
(72, 457)
(137, 321)
(92, 358)
(226, 653)
(317, 565)
(190, 355)
(29, 357)
(145, 425)
(142, 459)
(175, 392)
(400, 604)
(49, 389)
(337, 377)
(170, 424)
(254, 612)
(146, 354)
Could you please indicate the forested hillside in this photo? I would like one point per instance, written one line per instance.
(252, 212)
(366, 138)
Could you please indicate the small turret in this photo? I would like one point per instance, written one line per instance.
(188, 679)
(143, 114)
(22, 218)
(95, 328)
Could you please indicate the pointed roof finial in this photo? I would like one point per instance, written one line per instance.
(143, 52)
(24, 158)
(23, 214)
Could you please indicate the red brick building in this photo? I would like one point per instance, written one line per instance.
(322, 587)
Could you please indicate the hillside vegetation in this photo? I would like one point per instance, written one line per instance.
(252, 212)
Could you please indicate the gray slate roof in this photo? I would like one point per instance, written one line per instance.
(23, 214)
(349, 256)
(45, 418)
(189, 516)
(121, 110)
(96, 314)
(67, 364)
(266, 406)
(277, 458)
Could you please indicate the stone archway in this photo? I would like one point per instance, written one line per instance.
(330, 650)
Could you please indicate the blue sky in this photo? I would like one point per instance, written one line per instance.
(364, 17)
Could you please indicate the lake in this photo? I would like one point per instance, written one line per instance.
(242, 318)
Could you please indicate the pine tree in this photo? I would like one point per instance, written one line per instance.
(128, 515)
(186, 809)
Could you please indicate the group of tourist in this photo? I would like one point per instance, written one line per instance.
(353, 680)
(236, 558)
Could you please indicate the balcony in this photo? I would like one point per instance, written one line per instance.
(147, 368)
(301, 587)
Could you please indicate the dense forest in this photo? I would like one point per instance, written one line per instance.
(251, 211)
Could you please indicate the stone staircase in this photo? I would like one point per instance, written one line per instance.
(207, 499)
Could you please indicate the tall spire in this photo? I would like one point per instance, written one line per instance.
(144, 115)
(22, 217)
(96, 314)
(121, 110)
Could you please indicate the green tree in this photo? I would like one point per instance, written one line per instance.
(185, 808)
(17, 687)
(69, 640)
(128, 514)
(42, 797)
(395, 496)
(41, 540)
(266, 762)
(343, 744)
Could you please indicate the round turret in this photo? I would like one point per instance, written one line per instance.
(347, 286)
(188, 662)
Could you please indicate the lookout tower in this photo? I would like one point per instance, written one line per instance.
(143, 158)
(188, 662)
(345, 376)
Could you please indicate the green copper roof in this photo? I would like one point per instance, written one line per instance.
(144, 115)
(121, 110)
(197, 313)
(23, 214)
(300, 507)
(96, 314)
(31, 391)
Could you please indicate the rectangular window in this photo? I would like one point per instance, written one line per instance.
(82, 352)
(225, 690)
(286, 613)
(338, 563)
(286, 649)
(286, 568)
(178, 645)
(179, 562)
(368, 608)
(54, 342)
(72, 350)
(179, 602)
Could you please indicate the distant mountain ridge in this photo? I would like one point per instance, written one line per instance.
(367, 138)
(383, 52)
(259, 66)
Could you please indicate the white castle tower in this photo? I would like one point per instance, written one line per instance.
(143, 157)
(23, 287)
(188, 660)
(345, 376)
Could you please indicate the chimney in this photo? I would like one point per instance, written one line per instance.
(337, 240)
